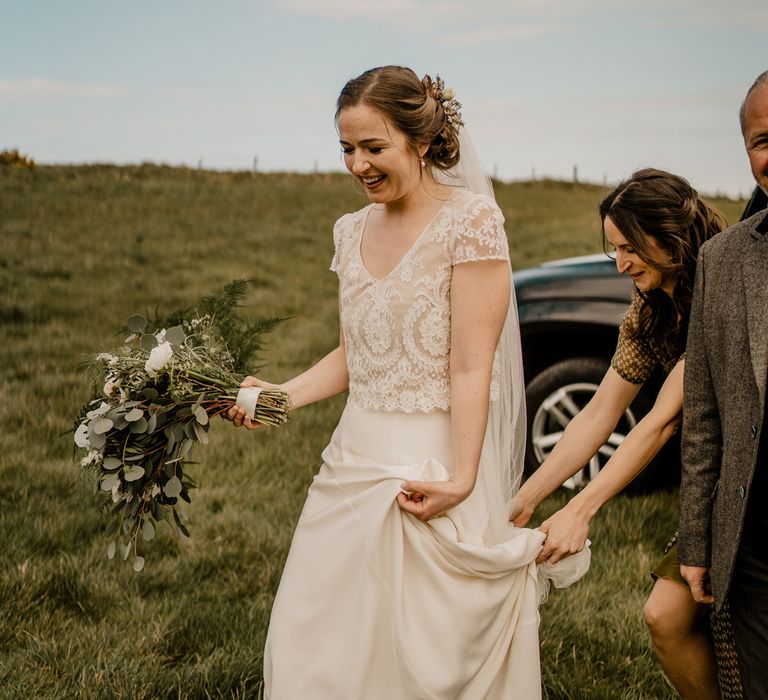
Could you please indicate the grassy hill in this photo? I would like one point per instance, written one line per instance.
(83, 248)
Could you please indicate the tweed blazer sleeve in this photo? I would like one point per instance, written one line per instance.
(701, 437)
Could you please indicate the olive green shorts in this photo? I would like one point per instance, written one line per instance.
(669, 567)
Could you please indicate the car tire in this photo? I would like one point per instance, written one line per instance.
(555, 396)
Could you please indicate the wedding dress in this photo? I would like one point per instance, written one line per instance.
(373, 603)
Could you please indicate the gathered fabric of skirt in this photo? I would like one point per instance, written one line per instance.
(376, 605)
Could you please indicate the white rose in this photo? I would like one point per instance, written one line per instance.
(158, 358)
(448, 94)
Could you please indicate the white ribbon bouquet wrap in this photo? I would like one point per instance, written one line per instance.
(248, 399)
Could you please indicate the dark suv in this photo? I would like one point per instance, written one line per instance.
(570, 311)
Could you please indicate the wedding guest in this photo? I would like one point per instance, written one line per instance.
(656, 222)
(724, 489)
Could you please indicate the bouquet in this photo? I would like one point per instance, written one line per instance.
(153, 399)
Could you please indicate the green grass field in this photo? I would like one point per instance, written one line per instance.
(84, 247)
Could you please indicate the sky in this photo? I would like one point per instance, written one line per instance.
(547, 86)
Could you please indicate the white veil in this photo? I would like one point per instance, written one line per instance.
(502, 458)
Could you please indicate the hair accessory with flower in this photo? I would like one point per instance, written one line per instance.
(446, 97)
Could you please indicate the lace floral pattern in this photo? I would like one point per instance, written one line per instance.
(397, 329)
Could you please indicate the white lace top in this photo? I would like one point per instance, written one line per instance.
(397, 329)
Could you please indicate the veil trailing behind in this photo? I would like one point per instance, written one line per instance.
(503, 456)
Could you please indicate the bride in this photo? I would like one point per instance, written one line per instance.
(404, 578)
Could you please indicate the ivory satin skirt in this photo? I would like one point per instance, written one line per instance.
(374, 604)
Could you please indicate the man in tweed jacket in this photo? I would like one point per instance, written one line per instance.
(724, 490)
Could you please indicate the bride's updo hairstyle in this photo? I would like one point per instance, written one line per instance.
(421, 109)
(662, 206)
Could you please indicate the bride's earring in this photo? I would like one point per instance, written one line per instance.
(423, 163)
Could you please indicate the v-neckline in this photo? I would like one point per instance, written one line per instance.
(408, 250)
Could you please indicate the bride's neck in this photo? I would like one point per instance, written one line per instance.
(429, 194)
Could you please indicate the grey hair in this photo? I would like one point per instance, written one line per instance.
(761, 79)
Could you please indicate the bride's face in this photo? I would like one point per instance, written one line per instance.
(378, 154)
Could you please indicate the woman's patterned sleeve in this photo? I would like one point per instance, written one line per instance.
(479, 233)
(634, 359)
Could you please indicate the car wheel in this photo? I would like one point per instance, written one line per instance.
(554, 397)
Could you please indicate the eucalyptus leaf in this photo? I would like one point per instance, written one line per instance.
(115, 412)
(202, 436)
(138, 564)
(172, 487)
(111, 463)
(189, 430)
(134, 414)
(139, 426)
(101, 426)
(201, 416)
(125, 552)
(81, 435)
(148, 342)
(133, 473)
(150, 393)
(109, 481)
(152, 422)
(175, 336)
(111, 549)
(136, 323)
(120, 423)
(128, 524)
(147, 530)
(186, 446)
(97, 440)
(162, 418)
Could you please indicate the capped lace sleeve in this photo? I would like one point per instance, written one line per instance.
(336, 247)
(479, 233)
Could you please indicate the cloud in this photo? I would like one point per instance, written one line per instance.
(449, 21)
(482, 21)
(750, 15)
(26, 90)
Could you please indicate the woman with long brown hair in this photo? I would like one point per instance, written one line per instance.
(656, 223)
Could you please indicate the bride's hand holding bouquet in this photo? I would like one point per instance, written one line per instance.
(251, 388)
